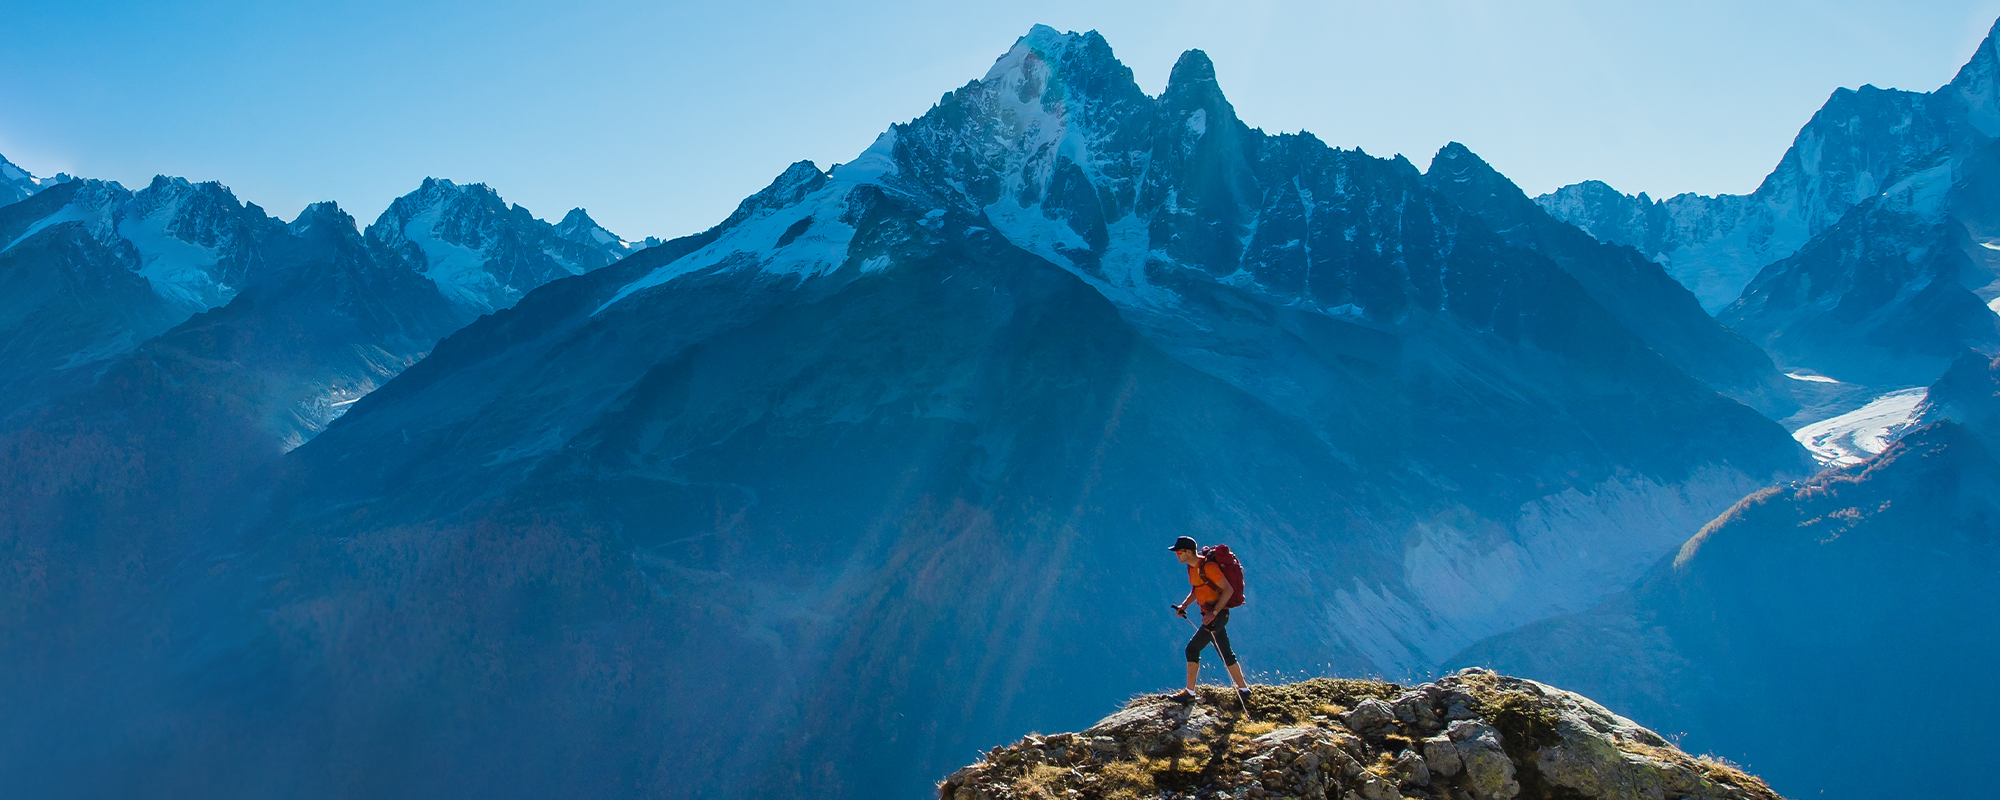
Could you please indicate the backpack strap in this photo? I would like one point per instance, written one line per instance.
(1201, 571)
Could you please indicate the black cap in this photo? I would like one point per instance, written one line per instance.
(1183, 543)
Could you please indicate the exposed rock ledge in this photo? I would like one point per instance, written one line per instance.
(1473, 735)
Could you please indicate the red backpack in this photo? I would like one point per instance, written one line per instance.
(1231, 569)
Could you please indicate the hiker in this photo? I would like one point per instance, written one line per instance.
(1210, 586)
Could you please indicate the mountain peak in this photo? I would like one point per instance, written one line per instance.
(1047, 64)
(797, 181)
(1192, 67)
(317, 216)
(16, 184)
(1454, 153)
(1977, 84)
(1457, 163)
(1046, 40)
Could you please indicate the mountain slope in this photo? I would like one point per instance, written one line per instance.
(1886, 296)
(92, 270)
(879, 469)
(117, 484)
(103, 488)
(1640, 293)
(1797, 615)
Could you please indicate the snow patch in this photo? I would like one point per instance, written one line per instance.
(1923, 193)
(1029, 230)
(875, 165)
(1859, 435)
(68, 213)
(752, 244)
(1800, 376)
(178, 270)
(459, 271)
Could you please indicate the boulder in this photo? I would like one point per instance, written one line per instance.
(1412, 769)
(1489, 773)
(1369, 715)
(1441, 755)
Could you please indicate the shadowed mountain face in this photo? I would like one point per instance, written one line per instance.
(881, 471)
(1886, 296)
(1798, 616)
(118, 481)
(103, 489)
(1637, 291)
(91, 270)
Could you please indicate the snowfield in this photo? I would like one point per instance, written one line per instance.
(1853, 437)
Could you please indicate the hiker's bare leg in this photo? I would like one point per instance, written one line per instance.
(1236, 674)
(1194, 669)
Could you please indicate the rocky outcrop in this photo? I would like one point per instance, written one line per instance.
(1474, 735)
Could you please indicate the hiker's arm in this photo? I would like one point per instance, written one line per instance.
(1222, 595)
(1186, 600)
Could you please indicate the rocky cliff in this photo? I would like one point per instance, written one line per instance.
(1473, 735)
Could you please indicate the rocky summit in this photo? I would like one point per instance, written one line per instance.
(1473, 735)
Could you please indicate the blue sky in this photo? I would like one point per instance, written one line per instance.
(659, 117)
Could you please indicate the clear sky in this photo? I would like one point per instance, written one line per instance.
(659, 116)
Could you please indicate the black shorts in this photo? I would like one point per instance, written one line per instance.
(1212, 632)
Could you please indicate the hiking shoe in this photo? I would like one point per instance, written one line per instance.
(1243, 696)
(1182, 696)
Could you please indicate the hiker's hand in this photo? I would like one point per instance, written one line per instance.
(1207, 617)
(1180, 611)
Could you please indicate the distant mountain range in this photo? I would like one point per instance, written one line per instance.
(16, 184)
(92, 270)
(1867, 255)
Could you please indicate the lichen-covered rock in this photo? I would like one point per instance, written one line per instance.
(1412, 769)
(1369, 715)
(1418, 708)
(1473, 735)
(1441, 754)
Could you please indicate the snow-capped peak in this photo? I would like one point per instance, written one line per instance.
(483, 254)
(17, 184)
(578, 227)
(315, 217)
